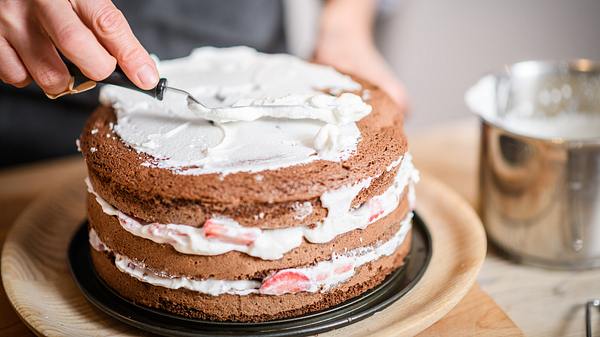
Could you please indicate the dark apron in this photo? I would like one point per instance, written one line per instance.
(33, 127)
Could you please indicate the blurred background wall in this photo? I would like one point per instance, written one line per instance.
(439, 48)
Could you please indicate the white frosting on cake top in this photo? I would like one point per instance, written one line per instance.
(307, 124)
(342, 109)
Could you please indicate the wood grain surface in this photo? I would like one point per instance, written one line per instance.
(542, 302)
(476, 315)
(19, 186)
(37, 281)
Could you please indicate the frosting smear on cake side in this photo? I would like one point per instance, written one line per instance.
(315, 116)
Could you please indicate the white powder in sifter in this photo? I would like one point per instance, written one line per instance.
(524, 119)
(567, 126)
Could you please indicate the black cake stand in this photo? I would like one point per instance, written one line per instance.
(163, 323)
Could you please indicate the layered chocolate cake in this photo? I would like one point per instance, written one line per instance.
(292, 193)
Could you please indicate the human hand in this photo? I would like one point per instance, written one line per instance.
(93, 34)
(364, 61)
(345, 42)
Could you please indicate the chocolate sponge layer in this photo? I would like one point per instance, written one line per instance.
(263, 215)
(248, 308)
(159, 195)
(234, 265)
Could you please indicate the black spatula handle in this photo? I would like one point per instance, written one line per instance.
(118, 78)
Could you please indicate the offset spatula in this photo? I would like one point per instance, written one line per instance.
(80, 83)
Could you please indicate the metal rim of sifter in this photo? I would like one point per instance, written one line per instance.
(540, 68)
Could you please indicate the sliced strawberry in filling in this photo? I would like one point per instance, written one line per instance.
(285, 282)
(213, 230)
(322, 276)
(168, 234)
(376, 209)
(340, 269)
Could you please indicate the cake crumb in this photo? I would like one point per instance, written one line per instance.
(93, 149)
(366, 95)
(78, 144)
(108, 135)
(94, 131)
(302, 210)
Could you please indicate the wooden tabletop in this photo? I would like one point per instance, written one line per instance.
(541, 302)
(476, 314)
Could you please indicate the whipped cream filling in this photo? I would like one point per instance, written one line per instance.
(307, 123)
(221, 234)
(138, 270)
(319, 277)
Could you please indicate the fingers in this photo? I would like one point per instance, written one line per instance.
(42, 62)
(38, 55)
(32, 32)
(74, 39)
(376, 70)
(396, 91)
(113, 31)
(12, 70)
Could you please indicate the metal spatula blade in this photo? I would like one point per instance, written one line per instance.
(81, 83)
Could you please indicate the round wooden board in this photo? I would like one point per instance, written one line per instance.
(38, 283)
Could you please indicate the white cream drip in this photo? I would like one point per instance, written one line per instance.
(319, 277)
(221, 234)
(96, 243)
(329, 139)
(249, 139)
(341, 218)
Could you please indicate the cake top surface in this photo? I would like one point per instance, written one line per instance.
(316, 117)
